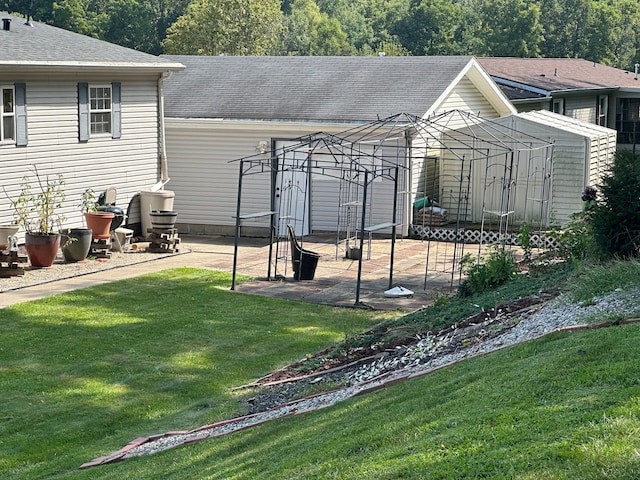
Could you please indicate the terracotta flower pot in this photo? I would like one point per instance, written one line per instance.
(42, 248)
(99, 223)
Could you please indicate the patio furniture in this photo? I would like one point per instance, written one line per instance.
(304, 261)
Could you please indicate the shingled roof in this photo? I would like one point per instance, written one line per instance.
(558, 74)
(35, 45)
(343, 89)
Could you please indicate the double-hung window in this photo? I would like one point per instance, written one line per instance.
(8, 115)
(98, 110)
(13, 114)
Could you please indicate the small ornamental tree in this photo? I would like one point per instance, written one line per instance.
(616, 217)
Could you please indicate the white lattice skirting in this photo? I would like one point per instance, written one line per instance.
(476, 236)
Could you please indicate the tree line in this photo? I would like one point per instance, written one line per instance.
(604, 31)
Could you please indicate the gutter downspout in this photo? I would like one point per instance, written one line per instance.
(162, 146)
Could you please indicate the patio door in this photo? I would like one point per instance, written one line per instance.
(292, 192)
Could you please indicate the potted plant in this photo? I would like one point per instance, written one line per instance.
(75, 243)
(99, 222)
(36, 214)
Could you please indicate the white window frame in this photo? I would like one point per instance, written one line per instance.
(9, 116)
(98, 109)
(603, 110)
(557, 105)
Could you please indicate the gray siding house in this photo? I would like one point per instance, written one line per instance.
(224, 108)
(580, 89)
(80, 107)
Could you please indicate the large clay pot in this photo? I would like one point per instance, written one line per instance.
(7, 231)
(99, 223)
(42, 248)
(75, 243)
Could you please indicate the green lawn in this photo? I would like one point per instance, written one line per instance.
(563, 407)
(83, 374)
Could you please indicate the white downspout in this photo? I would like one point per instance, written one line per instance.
(164, 166)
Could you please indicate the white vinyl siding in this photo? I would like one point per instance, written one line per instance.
(581, 108)
(582, 152)
(466, 97)
(206, 184)
(130, 164)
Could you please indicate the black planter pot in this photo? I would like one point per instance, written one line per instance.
(163, 219)
(76, 243)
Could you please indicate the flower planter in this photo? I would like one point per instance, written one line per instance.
(7, 231)
(42, 248)
(76, 243)
(163, 219)
(99, 223)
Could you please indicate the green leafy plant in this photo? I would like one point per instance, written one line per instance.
(88, 203)
(36, 212)
(524, 239)
(575, 242)
(498, 267)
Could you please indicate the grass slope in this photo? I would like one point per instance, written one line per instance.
(563, 407)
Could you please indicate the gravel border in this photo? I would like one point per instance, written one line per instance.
(61, 270)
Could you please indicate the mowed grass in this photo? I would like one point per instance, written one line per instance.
(84, 373)
(563, 407)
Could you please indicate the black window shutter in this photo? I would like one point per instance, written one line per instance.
(84, 119)
(22, 137)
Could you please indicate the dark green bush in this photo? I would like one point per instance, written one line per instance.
(616, 218)
(497, 268)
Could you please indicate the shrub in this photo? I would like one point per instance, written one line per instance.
(498, 267)
(616, 218)
(575, 242)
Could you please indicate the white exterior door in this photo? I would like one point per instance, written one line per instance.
(292, 191)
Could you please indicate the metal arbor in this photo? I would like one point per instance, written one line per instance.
(482, 173)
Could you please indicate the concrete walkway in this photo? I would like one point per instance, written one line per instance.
(334, 283)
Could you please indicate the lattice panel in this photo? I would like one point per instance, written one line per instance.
(476, 236)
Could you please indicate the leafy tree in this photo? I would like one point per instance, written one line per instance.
(391, 49)
(75, 15)
(429, 27)
(511, 28)
(610, 33)
(564, 26)
(616, 218)
(40, 10)
(311, 32)
(230, 27)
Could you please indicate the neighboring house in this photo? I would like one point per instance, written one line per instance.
(223, 108)
(584, 90)
(80, 107)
